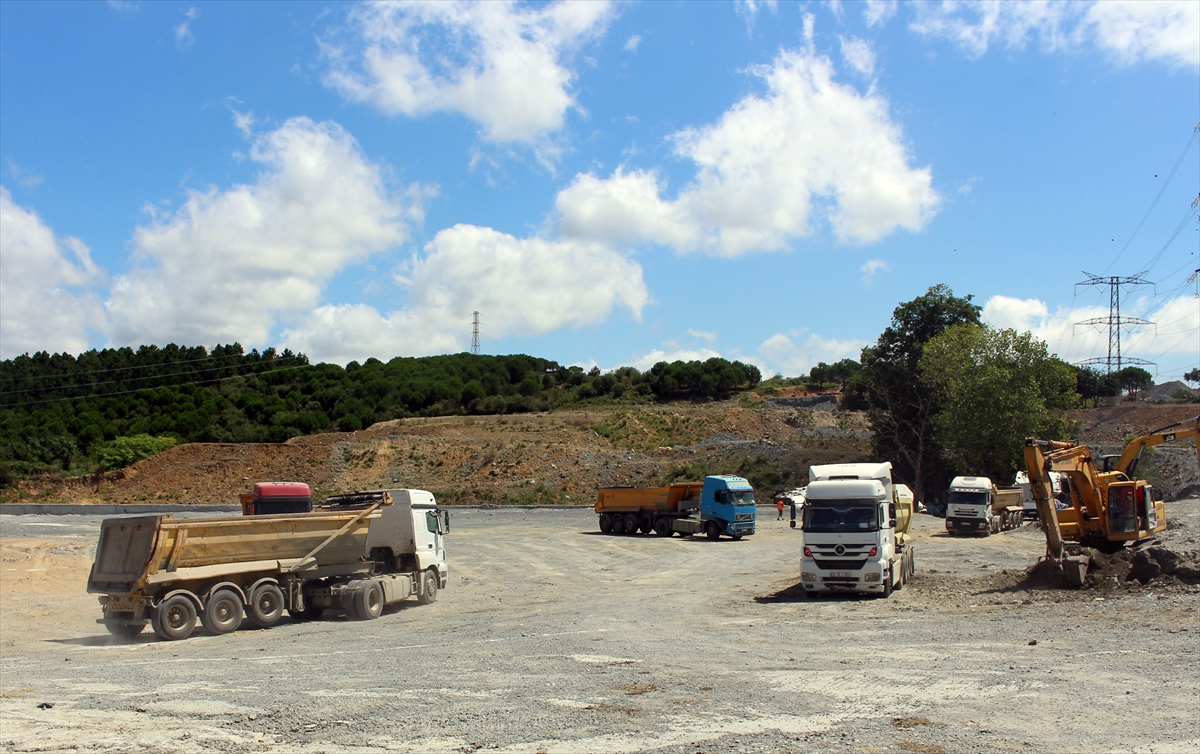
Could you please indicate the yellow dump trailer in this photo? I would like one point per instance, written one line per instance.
(356, 554)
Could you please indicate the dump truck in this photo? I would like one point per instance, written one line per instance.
(1059, 485)
(277, 497)
(722, 504)
(855, 530)
(355, 553)
(976, 506)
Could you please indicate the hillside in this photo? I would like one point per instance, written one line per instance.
(559, 457)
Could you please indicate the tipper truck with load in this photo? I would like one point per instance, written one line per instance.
(355, 553)
(719, 505)
(855, 530)
(976, 506)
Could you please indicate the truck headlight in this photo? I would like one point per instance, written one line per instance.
(871, 577)
(806, 576)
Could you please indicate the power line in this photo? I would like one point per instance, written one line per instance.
(131, 379)
(145, 366)
(1114, 321)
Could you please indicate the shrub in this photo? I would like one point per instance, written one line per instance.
(125, 451)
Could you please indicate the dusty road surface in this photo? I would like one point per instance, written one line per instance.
(554, 638)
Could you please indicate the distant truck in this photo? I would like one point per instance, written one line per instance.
(1059, 487)
(355, 553)
(855, 530)
(976, 506)
(719, 505)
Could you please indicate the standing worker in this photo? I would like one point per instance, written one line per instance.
(779, 507)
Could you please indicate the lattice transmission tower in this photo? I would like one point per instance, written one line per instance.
(475, 334)
(1114, 321)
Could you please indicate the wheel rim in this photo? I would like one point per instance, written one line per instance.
(176, 618)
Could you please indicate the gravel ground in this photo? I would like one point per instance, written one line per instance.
(554, 638)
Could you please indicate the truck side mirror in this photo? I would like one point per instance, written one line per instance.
(444, 522)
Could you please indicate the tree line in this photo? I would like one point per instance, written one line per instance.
(107, 408)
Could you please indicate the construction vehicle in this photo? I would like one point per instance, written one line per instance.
(976, 506)
(355, 553)
(1058, 483)
(855, 530)
(722, 504)
(1106, 505)
(277, 497)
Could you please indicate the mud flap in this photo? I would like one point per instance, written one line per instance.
(1075, 569)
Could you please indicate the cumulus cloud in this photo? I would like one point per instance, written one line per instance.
(1129, 31)
(793, 354)
(767, 166)
(521, 287)
(45, 300)
(871, 267)
(1176, 323)
(858, 55)
(226, 264)
(502, 65)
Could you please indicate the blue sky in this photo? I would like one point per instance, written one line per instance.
(608, 184)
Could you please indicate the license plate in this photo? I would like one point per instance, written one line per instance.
(121, 606)
(840, 574)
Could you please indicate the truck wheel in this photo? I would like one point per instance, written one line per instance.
(712, 530)
(630, 524)
(887, 583)
(616, 525)
(662, 527)
(266, 606)
(174, 619)
(368, 601)
(606, 523)
(223, 613)
(429, 592)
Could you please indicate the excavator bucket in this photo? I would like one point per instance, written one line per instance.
(1075, 568)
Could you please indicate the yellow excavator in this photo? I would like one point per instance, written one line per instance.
(1103, 504)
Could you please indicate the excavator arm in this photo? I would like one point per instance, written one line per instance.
(1038, 467)
(1177, 431)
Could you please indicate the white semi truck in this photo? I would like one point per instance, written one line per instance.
(1058, 483)
(855, 530)
(976, 506)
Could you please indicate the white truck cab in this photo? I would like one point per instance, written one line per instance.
(853, 539)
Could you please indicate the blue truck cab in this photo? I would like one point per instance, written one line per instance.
(727, 507)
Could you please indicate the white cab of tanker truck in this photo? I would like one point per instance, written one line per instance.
(855, 530)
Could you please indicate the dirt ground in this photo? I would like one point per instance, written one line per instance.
(554, 638)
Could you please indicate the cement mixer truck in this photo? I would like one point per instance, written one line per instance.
(356, 553)
(855, 530)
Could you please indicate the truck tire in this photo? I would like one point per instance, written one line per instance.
(887, 583)
(368, 601)
(429, 587)
(629, 524)
(174, 619)
(617, 525)
(223, 613)
(606, 524)
(662, 527)
(266, 606)
(712, 530)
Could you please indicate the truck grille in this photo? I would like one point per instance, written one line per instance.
(832, 564)
(744, 517)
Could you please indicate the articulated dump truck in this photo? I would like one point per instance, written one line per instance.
(355, 553)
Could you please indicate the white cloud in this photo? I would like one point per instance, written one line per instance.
(871, 267)
(244, 122)
(631, 44)
(792, 358)
(183, 33)
(45, 301)
(1177, 324)
(858, 55)
(122, 5)
(24, 177)
(762, 168)
(748, 10)
(645, 361)
(520, 286)
(879, 12)
(502, 65)
(226, 264)
(1129, 31)
(702, 335)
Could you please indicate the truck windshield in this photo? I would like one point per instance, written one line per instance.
(963, 497)
(841, 516)
(739, 497)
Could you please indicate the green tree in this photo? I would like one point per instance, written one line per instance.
(994, 388)
(1192, 376)
(901, 407)
(126, 451)
(1134, 380)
